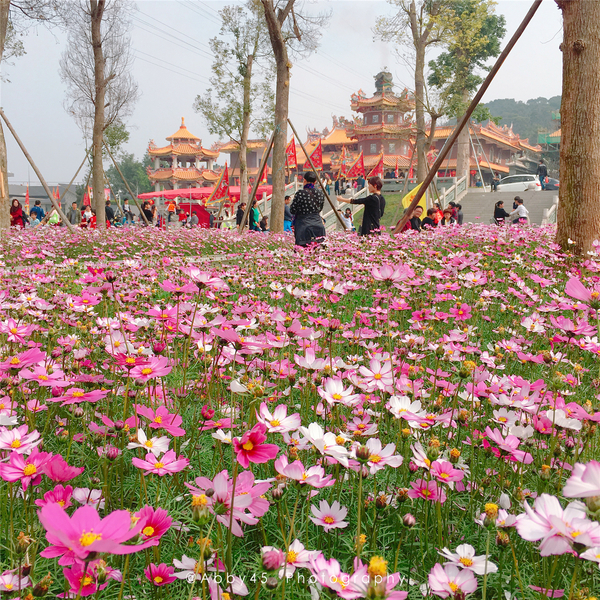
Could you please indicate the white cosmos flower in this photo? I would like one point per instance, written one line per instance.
(156, 445)
(465, 558)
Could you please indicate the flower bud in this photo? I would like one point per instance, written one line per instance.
(94, 480)
(409, 520)
(78, 411)
(56, 392)
(209, 493)
(277, 493)
(545, 472)
(273, 560)
(110, 276)
(363, 453)
(41, 587)
(207, 413)
(502, 538)
(112, 452)
(101, 571)
(271, 583)
(23, 542)
(158, 347)
(119, 425)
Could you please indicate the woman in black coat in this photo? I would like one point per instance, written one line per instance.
(374, 207)
(499, 213)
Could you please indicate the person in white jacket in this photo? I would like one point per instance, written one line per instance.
(520, 214)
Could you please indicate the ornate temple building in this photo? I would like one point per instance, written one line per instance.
(179, 165)
(254, 153)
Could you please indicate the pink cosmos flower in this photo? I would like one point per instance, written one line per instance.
(329, 517)
(297, 557)
(309, 360)
(555, 528)
(465, 558)
(168, 464)
(156, 445)
(443, 471)
(451, 581)
(278, 421)
(88, 497)
(45, 377)
(84, 581)
(59, 495)
(314, 476)
(576, 289)
(155, 367)
(325, 443)
(380, 457)
(237, 586)
(57, 469)
(18, 440)
(155, 522)
(508, 445)
(394, 274)
(24, 359)
(378, 376)
(329, 573)
(205, 279)
(363, 584)
(160, 575)
(76, 395)
(75, 538)
(16, 333)
(251, 447)
(427, 491)
(334, 392)
(9, 581)
(584, 481)
(162, 419)
(461, 313)
(27, 469)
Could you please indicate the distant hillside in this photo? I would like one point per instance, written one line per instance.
(526, 117)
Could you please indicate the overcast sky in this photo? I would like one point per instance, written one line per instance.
(172, 66)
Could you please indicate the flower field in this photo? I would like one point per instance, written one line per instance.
(206, 415)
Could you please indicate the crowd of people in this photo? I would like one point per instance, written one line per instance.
(519, 214)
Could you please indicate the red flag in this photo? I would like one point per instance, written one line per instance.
(357, 168)
(431, 156)
(290, 154)
(377, 170)
(343, 159)
(317, 158)
(221, 189)
(27, 199)
(396, 173)
(265, 174)
(411, 173)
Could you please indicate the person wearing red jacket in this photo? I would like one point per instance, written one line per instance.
(16, 214)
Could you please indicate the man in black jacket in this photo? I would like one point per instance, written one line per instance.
(239, 215)
(542, 173)
(110, 213)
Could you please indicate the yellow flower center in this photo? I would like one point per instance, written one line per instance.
(15, 444)
(444, 475)
(13, 330)
(337, 396)
(88, 538)
(377, 567)
(329, 520)
(340, 581)
(467, 562)
(200, 500)
(15, 361)
(158, 419)
(130, 360)
(159, 465)
(158, 579)
(87, 580)
(9, 586)
(575, 534)
(427, 461)
(374, 458)
(149, 444)
(275, 423)
(61, 502)
(426, 493)
(43, 377)
(453, 586)
(292, 556)
(77, 394)
(29, 470)
(248, 446)
(148, 531)
(377, 376)
(146, 371)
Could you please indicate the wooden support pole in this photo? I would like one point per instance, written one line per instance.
(263, 163)
(465, 119)
(39, 175)
(127, 185)
(335, 210)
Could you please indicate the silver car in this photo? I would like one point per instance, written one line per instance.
(520, 183)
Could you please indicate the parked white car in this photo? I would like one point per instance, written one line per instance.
(520, 183)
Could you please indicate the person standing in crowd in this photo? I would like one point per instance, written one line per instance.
(264, 224)
(542, 173)
(453, 210)
(495, 182)
(347, 219)
(520, 214)
(429, 220)
(374, 207)
(16, 214)
(306, 207)
(194, 220)
(88, 220)
(459, 214)
(127, 211)
(38, 210)
(171, 210)
(147, 213)
(288, 217)
(74, 214)
(110, 213)
(499, 213)
(239, 215)
(336, 187)
(33, 219)
(254, 216)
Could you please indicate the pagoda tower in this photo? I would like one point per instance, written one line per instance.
(179, 165)
(385, 125)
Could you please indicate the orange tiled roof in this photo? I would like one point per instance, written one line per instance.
(451, 164)
(183, 133)
(187, 150)
(164, 151)
(161, 174)
(338, 136)
(525, 144)
(184, 175)
(498, 138)
(556, 134)
(380, 128)
(234, 146)
(210, 175)
(383, 101)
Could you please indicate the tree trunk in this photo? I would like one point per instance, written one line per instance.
(4, 197)
(96, 14)
(245, 131)
(282, 96)
(578, 214)
(463, 150)
(420, 111)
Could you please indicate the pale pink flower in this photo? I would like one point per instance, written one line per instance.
(278, 421)
(168, 464)
(450, 581)
(380, 457)
(378, 376)
(584, 481)
(443, 471)
(314, 476)
(334, 392)
(329, 517)
(325, 443)
(18, 440)
(156, 445)
(464, 557)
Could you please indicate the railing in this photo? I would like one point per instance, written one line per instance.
(549, 215)
(454, 193)
(331, 221)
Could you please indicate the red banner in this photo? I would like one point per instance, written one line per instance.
(431, 156)
(396, 173)
(27, 199)
(265, 174)
(290, 154)
(357, 168)
(377, 170)
(343, 160)
(317, 158)
(222, 187)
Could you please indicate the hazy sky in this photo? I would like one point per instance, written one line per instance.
(172, 66)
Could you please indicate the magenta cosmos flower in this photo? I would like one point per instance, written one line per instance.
(427, 491)
(75, 538)
(160, 575)
(155, 367)
(162, 419)
(18, 440)
(250, 448)
(329, 517)
(168, 463)
(59, 495)
(28, 470)
(57, 469)
(76, 395)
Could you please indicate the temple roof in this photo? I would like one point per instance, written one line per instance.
(183, 133)
(234, 146)
(380, 128)
(384, 102)
(337, 136)
(185, 149)
(192, 174)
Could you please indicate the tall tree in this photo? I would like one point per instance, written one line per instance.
(235, 96)
(15, 16)
(96, 69)
(475, 33)
(578, 215)
(298, 33)
(423, 20)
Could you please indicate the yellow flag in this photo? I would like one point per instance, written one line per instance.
(409, 198)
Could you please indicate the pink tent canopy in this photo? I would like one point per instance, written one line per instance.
(201, 193)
